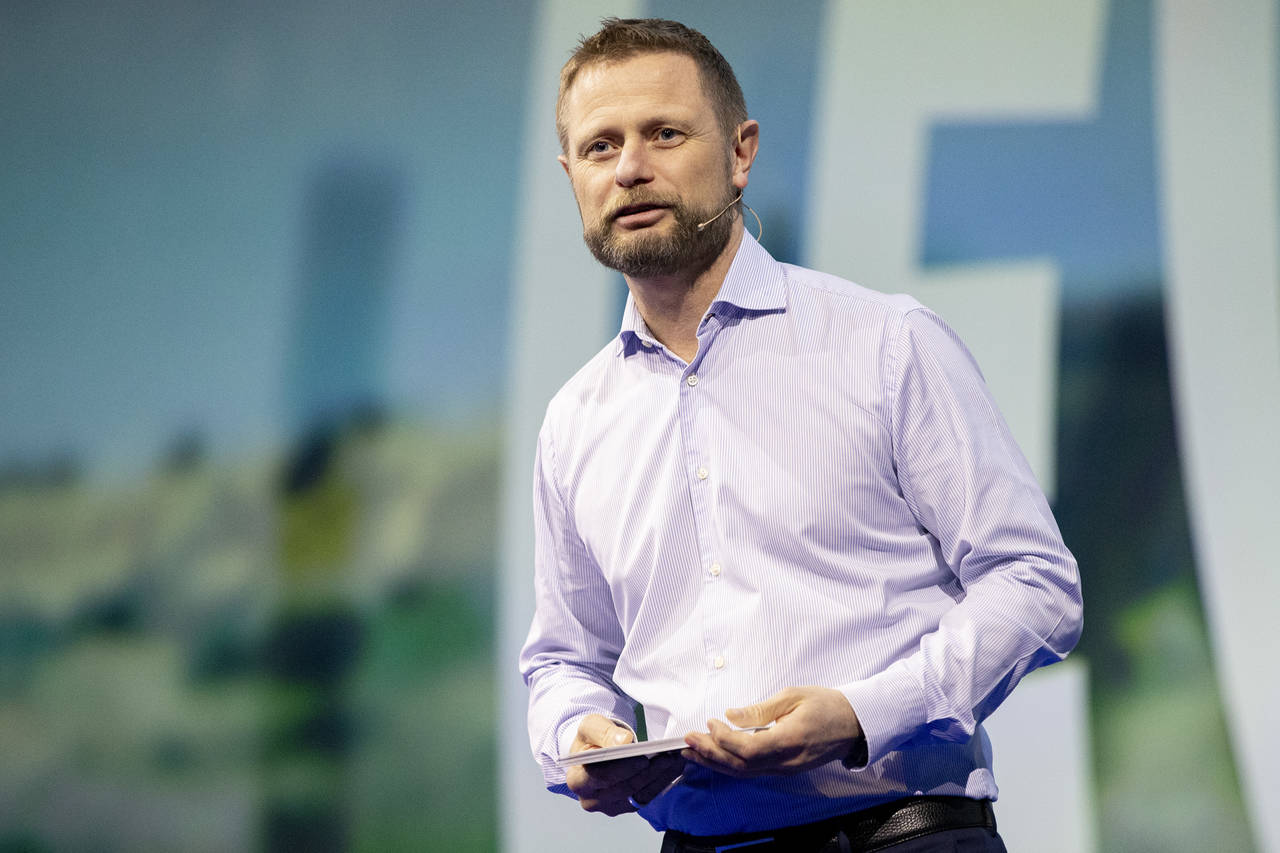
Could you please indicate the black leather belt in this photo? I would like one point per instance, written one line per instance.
(858, 832)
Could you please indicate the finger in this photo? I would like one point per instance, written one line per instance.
(649, 792)
(658, 771)
(748, 746)
(647, 785)
(599, 730)
(583, 784)
(762, 713)
(716, 764)
(595, 795)
(606, 773)
(668, 763)
(639, 789)
(611, 806)
(743, 754)
(704, 750)
(684, 766)
(624, 773)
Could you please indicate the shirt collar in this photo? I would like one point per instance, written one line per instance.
(755, 284)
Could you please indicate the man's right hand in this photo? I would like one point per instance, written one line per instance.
(611, 786)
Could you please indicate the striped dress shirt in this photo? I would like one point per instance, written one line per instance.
(826, 495)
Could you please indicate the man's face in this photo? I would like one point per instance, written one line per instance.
(649, 161)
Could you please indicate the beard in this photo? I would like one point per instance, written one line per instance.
(650, 253)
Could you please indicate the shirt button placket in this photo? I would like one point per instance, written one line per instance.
(702, 473)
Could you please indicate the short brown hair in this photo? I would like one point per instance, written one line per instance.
(622, 38)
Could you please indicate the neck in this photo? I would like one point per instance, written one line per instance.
(673, 306)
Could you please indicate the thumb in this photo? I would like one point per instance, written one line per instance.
(599, 730)
(761, 713)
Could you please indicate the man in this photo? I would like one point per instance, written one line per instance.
(775, 499)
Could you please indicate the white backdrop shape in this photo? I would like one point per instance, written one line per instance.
(1216, 118)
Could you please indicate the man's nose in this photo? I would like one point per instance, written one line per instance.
(634, 166)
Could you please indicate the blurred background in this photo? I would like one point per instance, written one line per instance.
(286, 287)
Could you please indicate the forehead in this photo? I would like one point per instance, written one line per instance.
(640, 86)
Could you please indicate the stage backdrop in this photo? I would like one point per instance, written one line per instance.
(286, 290)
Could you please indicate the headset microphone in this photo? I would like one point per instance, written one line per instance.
(702, 225)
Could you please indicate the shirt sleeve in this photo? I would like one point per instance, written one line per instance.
(574, 642)
(970, 487)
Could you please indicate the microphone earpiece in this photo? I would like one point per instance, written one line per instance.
(702, 225)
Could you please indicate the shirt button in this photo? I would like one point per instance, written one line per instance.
(719, 662)
(703, 473)
(715, 570)
(692, 380)
(646, 344)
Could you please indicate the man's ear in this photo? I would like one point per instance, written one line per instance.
(745, 149)
(564, 163)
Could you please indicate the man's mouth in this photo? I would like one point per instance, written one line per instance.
(639, 215)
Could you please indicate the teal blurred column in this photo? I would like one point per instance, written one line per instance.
(316, 636)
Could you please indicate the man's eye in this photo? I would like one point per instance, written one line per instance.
(598, 147)
(667, 134)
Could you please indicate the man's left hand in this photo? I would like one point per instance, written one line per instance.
(812, 725)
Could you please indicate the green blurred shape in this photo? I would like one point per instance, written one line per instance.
(317, 528)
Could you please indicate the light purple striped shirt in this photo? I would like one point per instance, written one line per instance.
(826, 495)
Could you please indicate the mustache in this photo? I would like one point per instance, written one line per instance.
(638, 200)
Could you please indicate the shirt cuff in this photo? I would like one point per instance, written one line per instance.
(890, 707)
